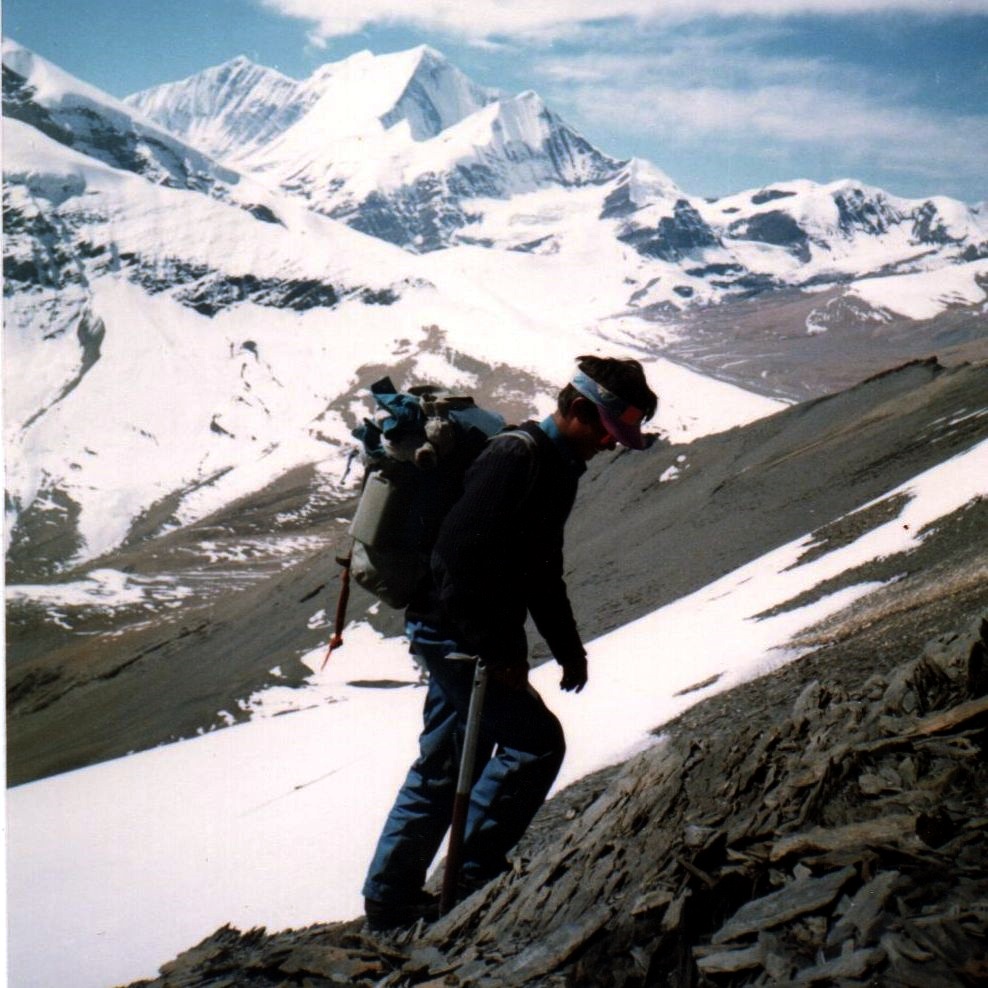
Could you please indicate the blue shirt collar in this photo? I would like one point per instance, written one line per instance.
(574, 462)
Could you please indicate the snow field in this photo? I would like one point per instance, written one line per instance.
(115, 868)
(925, 294)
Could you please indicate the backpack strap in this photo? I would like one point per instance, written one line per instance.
(527, 439)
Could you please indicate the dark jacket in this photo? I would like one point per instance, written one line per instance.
(499, 554)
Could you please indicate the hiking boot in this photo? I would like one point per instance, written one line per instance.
(385, 916)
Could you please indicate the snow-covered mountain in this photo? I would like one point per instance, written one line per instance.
(128, 241)
(404, 147)
(229, 109)
(130, 281)
(174, 343)
(393, 144)
(237, 109)
(91, 122)
(848, 227)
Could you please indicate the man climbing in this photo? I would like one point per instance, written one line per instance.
(499, 558)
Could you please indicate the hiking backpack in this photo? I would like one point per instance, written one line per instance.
(416, 451)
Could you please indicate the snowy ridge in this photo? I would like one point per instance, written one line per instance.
(228, 110)
(94, 123)
(509, 147)
(405, 133)
(799, 233)
(436, 96)
(239, 110)
(824, 215)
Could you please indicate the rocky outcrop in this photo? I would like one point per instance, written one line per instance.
(673, 238)
(774, 227)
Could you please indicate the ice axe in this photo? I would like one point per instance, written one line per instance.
(341, 605)
(461, 801)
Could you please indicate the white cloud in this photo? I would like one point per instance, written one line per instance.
(523, 18)
(774, 119)
(730, 60)
(731, 90)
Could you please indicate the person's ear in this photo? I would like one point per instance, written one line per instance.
(584, 410)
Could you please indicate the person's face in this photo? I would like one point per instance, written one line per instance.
(586, 432)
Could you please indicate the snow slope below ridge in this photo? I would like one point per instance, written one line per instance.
(182, 399)
(122, 440)
(926, 294)
(571, 277)
(173, 396)
(165, 221)
(118, 867)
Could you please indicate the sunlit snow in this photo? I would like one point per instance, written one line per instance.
(926, 294)
(121, 440)
(116, 868)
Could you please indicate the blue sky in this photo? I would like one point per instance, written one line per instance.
(721, 94)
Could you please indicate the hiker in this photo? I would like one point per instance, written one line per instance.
(498, 558)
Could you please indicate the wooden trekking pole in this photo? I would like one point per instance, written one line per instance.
(341, 605)
(461, 801)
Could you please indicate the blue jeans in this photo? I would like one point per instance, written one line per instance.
(520, 751)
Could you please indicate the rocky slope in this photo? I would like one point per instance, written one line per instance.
(823, 825)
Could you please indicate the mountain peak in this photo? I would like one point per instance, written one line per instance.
(530, 97)
(241, 63)
(427, 51)
(434, 94)
(208, 109)
(241, 68)
(648, 181)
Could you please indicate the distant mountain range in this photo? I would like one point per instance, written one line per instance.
(259, 246)
(406, 148)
